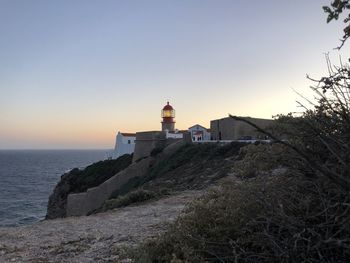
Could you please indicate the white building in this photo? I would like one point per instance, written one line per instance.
(174, 135)
(199, 133)
(124, 144)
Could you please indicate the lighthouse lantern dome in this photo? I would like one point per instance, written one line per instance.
(168, 111)
(168, 115)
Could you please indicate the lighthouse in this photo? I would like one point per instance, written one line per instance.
(168, 115)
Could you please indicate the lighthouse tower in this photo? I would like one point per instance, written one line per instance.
(168, 115)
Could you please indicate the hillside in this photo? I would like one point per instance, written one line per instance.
(192, 166)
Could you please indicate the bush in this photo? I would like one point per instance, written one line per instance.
(157, 151)
(260, 159)
(136, 196)
(195, 154)
(271, 219)
(97, 173)
(191, 166)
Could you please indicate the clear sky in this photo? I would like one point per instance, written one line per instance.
(74, 72)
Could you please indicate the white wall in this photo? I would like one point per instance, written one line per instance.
(174, 135)
(199, 128)
(124, 145)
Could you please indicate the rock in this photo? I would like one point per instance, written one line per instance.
(102, 237)
(56, 207)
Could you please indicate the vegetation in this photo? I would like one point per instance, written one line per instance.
(334, 10)
(156, 151)
(273, 219)
(302, 215)
(97, 173)
(136, 196)
(190, 167)
(261, 159)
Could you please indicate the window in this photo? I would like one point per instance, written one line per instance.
(129, 141)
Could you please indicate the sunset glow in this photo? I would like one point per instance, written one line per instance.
(73, 73)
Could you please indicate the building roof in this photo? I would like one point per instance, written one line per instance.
(128, 134)
(199, 126)
(168, 107)
(243, 117)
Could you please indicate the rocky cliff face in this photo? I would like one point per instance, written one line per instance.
(56, 207)
(77, 181)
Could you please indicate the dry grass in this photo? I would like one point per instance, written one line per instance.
(274, 219)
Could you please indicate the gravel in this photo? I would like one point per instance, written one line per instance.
(103, 237)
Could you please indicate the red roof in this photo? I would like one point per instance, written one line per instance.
(168, 107)
(127, 134)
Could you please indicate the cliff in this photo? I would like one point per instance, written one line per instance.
(178, 167)
(77, 181)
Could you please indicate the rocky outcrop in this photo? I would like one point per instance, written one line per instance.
(56, 207)
(77, 181)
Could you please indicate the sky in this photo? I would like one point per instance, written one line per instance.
(74, 72)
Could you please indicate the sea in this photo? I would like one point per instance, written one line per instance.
(28, 177)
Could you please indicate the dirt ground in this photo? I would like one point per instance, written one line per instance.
(102, 237)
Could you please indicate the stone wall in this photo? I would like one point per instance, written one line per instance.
(84, 203)
(146, 142)
(230, 129)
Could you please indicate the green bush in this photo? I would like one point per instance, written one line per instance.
(95, 174)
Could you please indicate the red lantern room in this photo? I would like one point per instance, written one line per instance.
(168, 115)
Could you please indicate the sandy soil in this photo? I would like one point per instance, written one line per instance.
(98, 238)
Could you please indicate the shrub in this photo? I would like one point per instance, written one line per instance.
(136, 196)
(261, 159)
(97, 173)
(271, 219)
(156, 151)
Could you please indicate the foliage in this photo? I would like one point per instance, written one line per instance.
(195, 153)
(132, 197)
(275, 219)
(97, 173)
(156, 151)
(193, 166)
(260, 159)
(322, 137)
(336, 8)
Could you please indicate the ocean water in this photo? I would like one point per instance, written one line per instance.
(28, 177)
